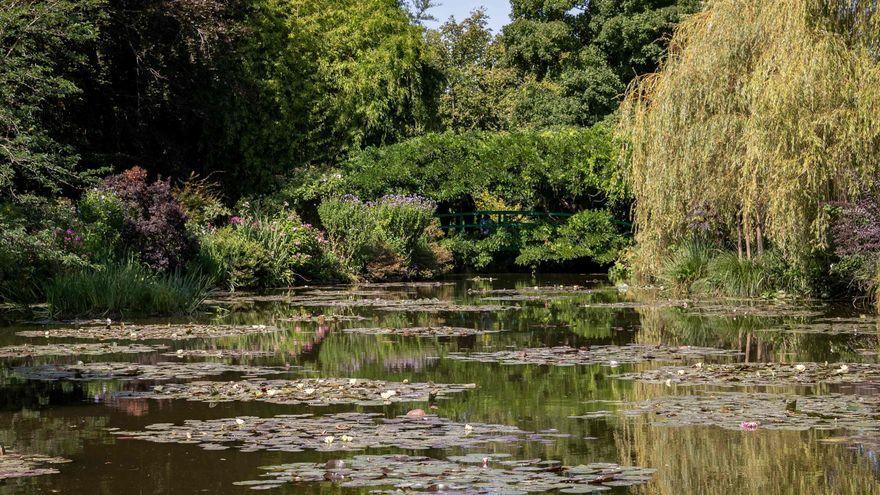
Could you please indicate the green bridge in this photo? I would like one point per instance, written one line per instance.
(489, 220)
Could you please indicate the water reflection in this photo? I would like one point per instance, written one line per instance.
(70, 419)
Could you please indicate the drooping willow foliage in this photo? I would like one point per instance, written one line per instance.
(763, 111)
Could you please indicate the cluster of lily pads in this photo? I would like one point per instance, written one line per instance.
(16, 465)
(763, 374)
(739, 410)
(609, 355)
(28, 350)
(331, 433)
(474, 474)
(220, 353)
(311, 391)
(439, 331)
(150, 332)
(136, 371)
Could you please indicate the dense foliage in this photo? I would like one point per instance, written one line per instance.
(764, 112)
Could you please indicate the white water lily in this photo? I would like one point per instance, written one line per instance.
(699, 365)
(329, 439)
(239, 421)
(271, 392)
(468, 428)
(179, 352)
(352, 381)
(346, 438)
(680, 372)
(613, 363)
(309, 391)
(388, 394)
(843, 368)
(669, 382)
(299, 385)
(80, 363)
(800, 368)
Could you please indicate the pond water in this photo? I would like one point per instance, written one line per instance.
(567, 402)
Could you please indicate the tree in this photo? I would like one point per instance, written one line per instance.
(577, 56)
(317, 79)
(477, 86)
(43, 46)
(763, 113)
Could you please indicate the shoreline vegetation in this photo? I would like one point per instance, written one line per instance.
(150, 155)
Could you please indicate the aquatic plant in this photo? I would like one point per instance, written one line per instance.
(127, 288)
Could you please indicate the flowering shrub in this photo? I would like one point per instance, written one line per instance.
(266, 251)
(393, 237)
(154, 223)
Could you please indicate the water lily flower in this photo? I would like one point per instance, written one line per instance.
(613, 363)
(699, 365)
(669, 382)
(352, 381)
(468, 428)
(680, 372)
(843, 368)
(271, 392)
(346, 438)
(329, 439)
(309, 391)
(388, 394)
(800, 368)
(749, 425)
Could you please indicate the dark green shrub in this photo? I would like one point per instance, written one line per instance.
(590, 234)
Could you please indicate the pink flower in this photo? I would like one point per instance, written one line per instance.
(749, 425)
(236, 220)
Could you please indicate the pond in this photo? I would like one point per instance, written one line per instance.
(506, 384)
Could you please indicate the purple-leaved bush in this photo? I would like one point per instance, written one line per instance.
(856, 229)
(155, 224)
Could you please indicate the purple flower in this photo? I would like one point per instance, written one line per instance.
(236, 220)
(749, 425)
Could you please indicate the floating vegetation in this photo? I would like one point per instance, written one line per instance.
(440, 331)
(407, 305)
(137, 371)
(338, 432)
(221, 353)
(311, 391)
(609, 355)
(473, 474)
(27, 350)
(15, 465)
(764, 374)
(737, 410)
(324, 318)
(150, 332)
(835, 326)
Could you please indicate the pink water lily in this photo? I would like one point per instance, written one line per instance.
(749, 425)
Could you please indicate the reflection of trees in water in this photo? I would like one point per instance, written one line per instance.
(712, 461)
(38, 431)
(759, 338)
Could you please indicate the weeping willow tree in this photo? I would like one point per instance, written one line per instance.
(763, 112)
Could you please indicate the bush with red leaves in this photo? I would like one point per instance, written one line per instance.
(155, 224)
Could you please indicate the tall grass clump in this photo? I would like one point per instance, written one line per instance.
(124, 289)
(731, 275)
(686, 264)
(764, 111)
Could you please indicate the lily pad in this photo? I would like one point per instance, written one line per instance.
(15, 465)
(221, 353)
(412, 474)
(312, 391)
(137, 371)
(763, 374)
(338, 432)
(441, 331)
(27, 350)
(150, 332)
(609, 355)
(731, 410)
